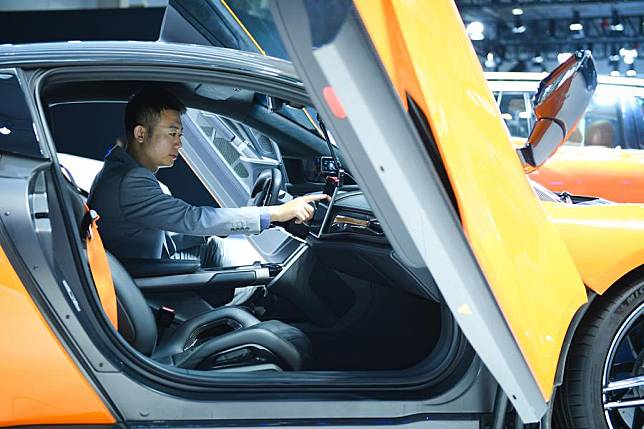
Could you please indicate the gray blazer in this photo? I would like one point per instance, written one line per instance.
(135, 213)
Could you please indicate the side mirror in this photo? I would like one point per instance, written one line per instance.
(559, 104)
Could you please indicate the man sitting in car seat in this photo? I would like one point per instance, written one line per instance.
(136, 215)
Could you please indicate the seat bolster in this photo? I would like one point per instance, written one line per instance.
(235, 317)
(288, 357)
(290, 334)
(136, 321)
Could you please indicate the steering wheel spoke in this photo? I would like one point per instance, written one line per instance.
(266, 189)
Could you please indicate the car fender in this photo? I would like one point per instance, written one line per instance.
(606, 242)
(614, 174)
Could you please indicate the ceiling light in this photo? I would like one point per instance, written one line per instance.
(538, 58)
(517, 11)
(629, 55)
(616, 22)
(575, 24)
(490, 62)
(518, 28)
(563, 56)
(5, 131)
(475, 30)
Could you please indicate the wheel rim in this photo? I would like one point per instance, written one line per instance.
(623, 375)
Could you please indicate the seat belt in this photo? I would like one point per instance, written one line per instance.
(98, 265)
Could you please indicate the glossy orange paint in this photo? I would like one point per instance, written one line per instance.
(613, 174)
(526, 264)
(40, 384)
(605, 241)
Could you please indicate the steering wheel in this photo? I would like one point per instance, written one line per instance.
(266, 188)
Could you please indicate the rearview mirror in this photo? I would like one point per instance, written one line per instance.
(558, 105)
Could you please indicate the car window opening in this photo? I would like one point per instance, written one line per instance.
(357, 307)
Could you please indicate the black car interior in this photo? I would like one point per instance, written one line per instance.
(341, 302)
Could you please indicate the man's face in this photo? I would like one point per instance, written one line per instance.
(161, 145)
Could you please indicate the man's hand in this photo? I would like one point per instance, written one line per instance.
(298, 209)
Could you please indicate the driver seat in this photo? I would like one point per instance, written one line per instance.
(223, 337)
(246, 340)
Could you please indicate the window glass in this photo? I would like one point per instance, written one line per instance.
(228, 140)
(17, 133)
(305, 117)
(602, 124)
(639, 101)
(258, 20)
(516, 112)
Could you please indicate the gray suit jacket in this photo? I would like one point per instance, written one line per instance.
(135, 213)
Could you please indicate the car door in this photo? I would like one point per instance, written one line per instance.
(400, 87)
(412, 114)
(32, 350)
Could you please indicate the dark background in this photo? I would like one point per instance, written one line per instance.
(82, 24)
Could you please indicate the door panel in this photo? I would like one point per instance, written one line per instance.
(446, 184)
(503, 270)
(36, 366)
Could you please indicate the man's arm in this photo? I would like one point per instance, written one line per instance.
(144, 203)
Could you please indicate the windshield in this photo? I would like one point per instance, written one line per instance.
(306, 117)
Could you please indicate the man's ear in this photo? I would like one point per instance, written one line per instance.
(139, 133)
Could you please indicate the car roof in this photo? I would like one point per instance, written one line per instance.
(536, 77)
(52, 54)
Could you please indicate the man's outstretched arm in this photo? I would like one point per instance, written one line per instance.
(143, 202)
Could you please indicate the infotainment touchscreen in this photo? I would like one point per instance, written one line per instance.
(321, 214)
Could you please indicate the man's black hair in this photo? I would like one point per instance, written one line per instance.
(145, 106)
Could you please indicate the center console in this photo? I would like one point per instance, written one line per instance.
(158, 275)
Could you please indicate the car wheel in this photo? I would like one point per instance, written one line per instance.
(604, 378)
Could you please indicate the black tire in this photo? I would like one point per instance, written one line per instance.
(579, 400)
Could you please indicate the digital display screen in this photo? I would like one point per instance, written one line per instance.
(327, 165)
(321, 214)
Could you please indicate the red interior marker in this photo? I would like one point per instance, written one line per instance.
(334, 103)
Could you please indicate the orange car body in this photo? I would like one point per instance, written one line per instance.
(603, 240)
(47, 386)
(42, 384)
(613, 174)
(604, 157)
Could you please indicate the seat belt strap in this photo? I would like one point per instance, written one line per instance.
(98, 265)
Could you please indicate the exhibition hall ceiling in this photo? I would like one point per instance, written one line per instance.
(531, 35)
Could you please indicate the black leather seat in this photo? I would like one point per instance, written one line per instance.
(248, 341)
(223, 337)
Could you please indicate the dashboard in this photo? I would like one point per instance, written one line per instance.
(347, 213)
(348, 237)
